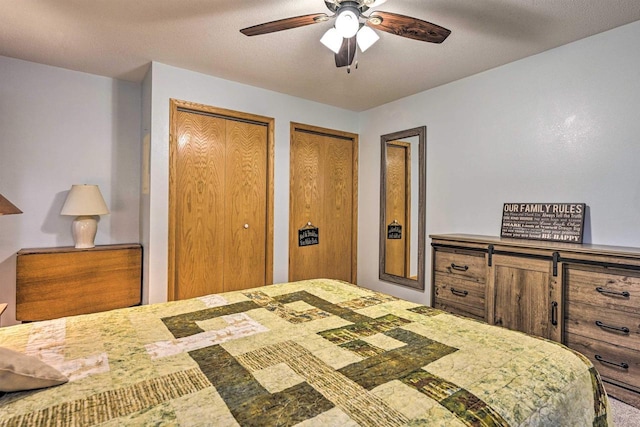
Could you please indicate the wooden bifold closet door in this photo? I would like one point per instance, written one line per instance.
(323, 192)
(221, 201)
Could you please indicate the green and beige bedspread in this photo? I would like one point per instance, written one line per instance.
(310, 353)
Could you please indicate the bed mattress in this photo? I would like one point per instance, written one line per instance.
(308, 353)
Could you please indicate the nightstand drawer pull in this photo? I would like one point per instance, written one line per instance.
(620, 365)
(615, 328)
(459, 293)
(459, 267)
(602, 290)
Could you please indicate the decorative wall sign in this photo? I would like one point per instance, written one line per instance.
(394, 230)
(308, 235)
(562, 222)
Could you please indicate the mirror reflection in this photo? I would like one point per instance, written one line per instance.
(402, 208)
(401, 219)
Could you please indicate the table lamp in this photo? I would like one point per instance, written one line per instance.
(84, 202)
(8, 208)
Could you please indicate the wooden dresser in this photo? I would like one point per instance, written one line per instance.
(585, 296)
(64, 281)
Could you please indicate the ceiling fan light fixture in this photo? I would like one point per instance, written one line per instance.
(347, 22)
(374, 20)
(373, 3)
(332, 39)
(366, 37)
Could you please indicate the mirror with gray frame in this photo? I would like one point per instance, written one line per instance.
(403, 207)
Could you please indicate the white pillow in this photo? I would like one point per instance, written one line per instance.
(21, 372)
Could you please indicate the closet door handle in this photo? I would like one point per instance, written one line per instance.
(459, 267)
(459, 293)
(246, 226)
(622, 365)
(614, 328)
(602, 290)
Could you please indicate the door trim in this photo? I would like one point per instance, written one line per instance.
(353, 137)
(176, 105)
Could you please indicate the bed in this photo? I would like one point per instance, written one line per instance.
(308, 353)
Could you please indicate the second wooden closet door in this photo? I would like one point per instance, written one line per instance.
(323, 184)
(220, 204)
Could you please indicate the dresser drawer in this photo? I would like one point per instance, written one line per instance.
(461, 264)
(615, 289)
(459, 295)
(613, 326)
(461, 309)
(618, 363)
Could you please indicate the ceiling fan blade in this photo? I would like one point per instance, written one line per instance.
(284, 24)
(347, 52)
(406, 26)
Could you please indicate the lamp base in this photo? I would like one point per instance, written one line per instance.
(84, 231)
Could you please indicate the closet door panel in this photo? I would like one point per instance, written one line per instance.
(337, 212)
(199, 199)
(306, 205)
(245, 205)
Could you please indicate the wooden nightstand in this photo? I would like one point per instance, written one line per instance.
(65, 281)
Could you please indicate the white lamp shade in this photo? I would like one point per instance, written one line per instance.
(84, 200)
(347, 23)
(366, 37)
(332, 39)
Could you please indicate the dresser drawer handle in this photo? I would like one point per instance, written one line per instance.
(459, 267)
(459, 293)
(615, 328)
(610, 292)
(620, 365)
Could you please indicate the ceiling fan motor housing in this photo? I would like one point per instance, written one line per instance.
(360, 5)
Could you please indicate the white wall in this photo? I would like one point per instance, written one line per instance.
(58, 128)
(561, 126)
(170, 82)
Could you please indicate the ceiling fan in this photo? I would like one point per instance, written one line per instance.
(352, 28)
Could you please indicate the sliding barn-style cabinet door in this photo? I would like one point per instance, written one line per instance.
(221, 201)
(323, 195)
(524, 295)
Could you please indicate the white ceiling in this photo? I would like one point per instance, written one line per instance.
(119, 38)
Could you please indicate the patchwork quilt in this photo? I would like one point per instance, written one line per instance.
(308, 353)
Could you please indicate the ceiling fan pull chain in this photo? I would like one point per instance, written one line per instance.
(356, 56)
(349, 56)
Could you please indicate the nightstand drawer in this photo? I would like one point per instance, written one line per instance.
(615, 289)
(618, 363)
(461, 264)
(616, 327)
